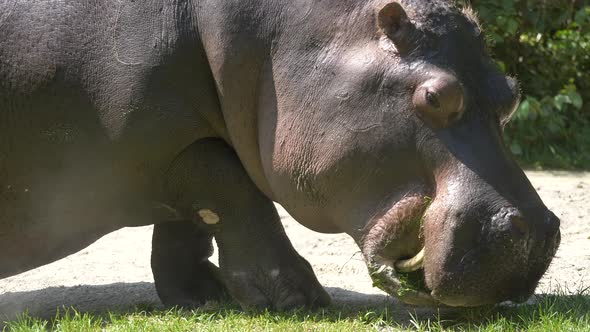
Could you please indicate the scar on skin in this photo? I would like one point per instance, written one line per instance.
(209, 217)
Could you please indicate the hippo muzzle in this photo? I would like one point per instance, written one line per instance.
(463, 245)
(504, 261)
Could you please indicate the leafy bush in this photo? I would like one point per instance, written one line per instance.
(546, 45)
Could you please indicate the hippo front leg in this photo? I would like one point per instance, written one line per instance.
(258, 264)
(183, 275)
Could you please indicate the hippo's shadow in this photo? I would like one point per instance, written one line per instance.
(122, 298)
(130, 297)
(141, 296)
(45, 303)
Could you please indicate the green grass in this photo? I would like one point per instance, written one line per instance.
(550, 313)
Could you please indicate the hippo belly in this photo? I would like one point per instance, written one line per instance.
(46, 215)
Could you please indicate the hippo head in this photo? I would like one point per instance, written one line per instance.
(388, 127)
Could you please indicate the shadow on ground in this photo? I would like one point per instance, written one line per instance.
(44, 303)
(123, 298)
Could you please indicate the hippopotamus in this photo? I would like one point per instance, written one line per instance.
(380, 119)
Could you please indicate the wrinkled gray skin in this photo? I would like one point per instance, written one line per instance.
(348, 113)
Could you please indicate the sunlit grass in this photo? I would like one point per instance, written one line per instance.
(550, 313)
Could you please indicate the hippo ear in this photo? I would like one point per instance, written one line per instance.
(394, 22)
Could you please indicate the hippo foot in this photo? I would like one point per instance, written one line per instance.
(205, 286)
(286, 285)
(183, 275)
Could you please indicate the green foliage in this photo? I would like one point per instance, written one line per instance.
(413, 281)
(546, 45)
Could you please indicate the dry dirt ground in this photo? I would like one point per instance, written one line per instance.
(114, 272)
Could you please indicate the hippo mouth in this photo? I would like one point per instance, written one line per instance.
(394, 251)
(410, 255)
(403, 279)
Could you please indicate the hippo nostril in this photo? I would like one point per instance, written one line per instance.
(519, 224)
(511, 219)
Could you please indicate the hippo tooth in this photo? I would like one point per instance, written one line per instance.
(410, 265)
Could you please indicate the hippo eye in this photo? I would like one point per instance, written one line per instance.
(439, 100)
(432, 99)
